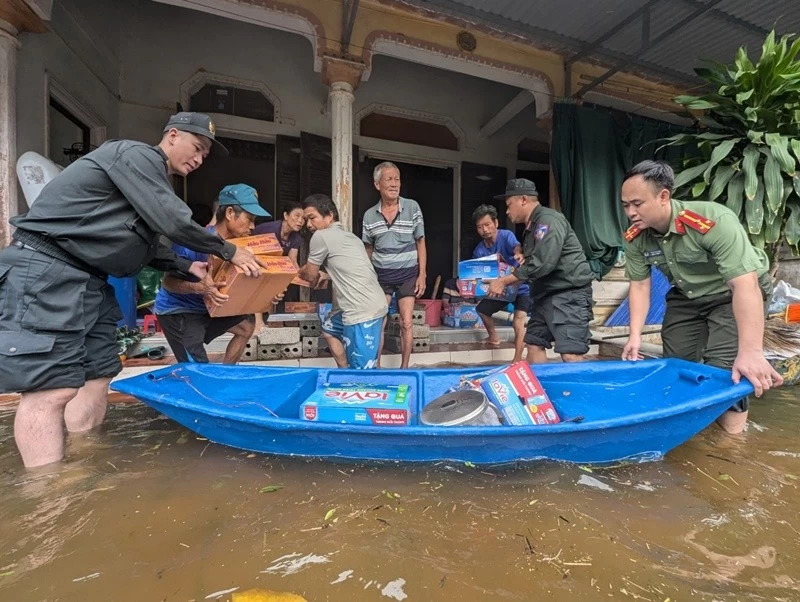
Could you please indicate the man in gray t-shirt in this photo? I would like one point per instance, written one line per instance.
(353, 329)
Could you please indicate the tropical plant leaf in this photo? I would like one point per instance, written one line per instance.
(792, 229)
(749, 165)
(720, 152)
(736, 194)
(755, 137)
(689, 174)
(743, 96)
(773, 184)
(779, 147)
(698, 189)
(795, 144)
(796, 184)
(754, 211)
(722, 176)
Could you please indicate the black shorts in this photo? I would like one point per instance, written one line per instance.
(488, 307)
(187, 333)
(403, 289)
(57, 324)
(563, 319)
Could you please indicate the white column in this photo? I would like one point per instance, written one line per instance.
(8, 128)
(341, 99)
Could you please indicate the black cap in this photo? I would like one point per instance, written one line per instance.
(196, 123)
(518, 187)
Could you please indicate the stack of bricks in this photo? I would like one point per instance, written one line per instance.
(292, 335)
(421, 333)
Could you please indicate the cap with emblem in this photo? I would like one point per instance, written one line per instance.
(196, 123)
(244, 196)
(518, 187)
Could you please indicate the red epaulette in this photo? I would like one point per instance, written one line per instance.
(694, 221)
(632, 233)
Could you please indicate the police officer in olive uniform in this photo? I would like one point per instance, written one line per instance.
(555, 266)
(101, 216)
(715, 308)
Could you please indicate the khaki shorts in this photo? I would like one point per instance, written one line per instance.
(57, 324)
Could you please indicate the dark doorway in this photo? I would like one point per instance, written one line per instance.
(251, 163)
(432, 188)
(479, 185)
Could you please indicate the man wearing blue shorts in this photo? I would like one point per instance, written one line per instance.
(353, 329)
(503, 243)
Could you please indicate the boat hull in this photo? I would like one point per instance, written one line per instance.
(631, 412)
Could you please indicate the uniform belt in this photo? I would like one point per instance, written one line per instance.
(44, 244)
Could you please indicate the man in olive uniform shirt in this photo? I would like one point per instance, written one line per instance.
(715, 308)
(101, 216)
(555, 266)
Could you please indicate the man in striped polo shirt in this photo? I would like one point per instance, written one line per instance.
(394, 234)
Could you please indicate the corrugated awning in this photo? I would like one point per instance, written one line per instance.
(662, 39)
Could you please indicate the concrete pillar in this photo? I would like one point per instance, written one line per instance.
(341, 99)
(8, 128)
(343, 77)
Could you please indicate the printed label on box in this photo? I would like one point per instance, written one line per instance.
(358, 404)
(519, 395)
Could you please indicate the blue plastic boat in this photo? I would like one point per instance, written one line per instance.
(632, 411)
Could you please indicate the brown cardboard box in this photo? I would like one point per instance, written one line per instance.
(260, 244)
(248, 294)
(301, 307)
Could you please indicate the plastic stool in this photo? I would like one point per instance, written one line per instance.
(150, 320)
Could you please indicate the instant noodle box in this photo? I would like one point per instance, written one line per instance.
(260, 244)
(252, 294)
(358, 404)
(519, 395)
(473, 274)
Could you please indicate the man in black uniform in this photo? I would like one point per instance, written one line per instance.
(101, 216)
(555, 266)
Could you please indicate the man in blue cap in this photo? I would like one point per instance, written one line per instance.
(180, 303)
(102, 216)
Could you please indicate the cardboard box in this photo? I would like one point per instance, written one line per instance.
(260, 244)
(473, 274)
(486, 267)
(358, 404)
(300, 307)
(252, 294)
(519, 395)
(461, 315)
(479, 288)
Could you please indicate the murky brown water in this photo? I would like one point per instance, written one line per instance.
(146, 511)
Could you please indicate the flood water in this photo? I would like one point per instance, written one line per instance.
(145, 510)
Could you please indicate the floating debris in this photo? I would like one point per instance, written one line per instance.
(394, 589)
(593, 482)
(784, 454)
(86, 578)
(221, 593)
(294, 563)
(343, 576)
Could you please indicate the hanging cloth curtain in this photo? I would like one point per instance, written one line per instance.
(592, 149)
(588, 158)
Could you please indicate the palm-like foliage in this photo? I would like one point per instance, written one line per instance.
(749, 155)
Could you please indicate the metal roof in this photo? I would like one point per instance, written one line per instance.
(665, 39)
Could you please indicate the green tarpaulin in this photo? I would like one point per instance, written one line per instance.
(592, 149)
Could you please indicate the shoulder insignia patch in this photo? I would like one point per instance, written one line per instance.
(632, 233)
(540, 230)
(694, 220)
